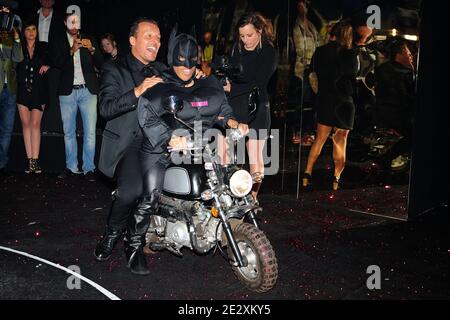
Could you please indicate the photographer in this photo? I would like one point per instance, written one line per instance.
(10, 54)
(78, 61)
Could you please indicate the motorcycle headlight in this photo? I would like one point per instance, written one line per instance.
(241, 183)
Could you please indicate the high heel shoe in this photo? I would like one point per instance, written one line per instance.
(29, 169)
(307, 179)
(34, 166)
(336, 183)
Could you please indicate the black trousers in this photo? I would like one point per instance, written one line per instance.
(129, 186)
(153, 168)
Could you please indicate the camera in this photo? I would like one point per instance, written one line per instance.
(224, 70)
(9, 20)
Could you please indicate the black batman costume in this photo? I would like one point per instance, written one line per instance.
(205, 100)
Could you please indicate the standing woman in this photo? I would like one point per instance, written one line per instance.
(336, 66)
(32, 93)
(109, 46)
(255, 54)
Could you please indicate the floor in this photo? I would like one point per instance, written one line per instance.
(323, 245)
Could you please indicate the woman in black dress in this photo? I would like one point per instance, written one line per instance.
(336, 66)
(257, 58)
(32, 93)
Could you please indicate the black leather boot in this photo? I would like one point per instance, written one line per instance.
(104, 248)
(135, 239)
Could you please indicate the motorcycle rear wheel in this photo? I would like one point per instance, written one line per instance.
(261, 273)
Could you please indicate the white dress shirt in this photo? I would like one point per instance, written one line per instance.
(78, 77)
(44, 25)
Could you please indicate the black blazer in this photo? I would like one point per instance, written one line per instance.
(57, 29)
(117, 105)
(63, 61)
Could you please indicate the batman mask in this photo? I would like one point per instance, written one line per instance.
(183, 50)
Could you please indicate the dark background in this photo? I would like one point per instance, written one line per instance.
(429, 173)
(116, 16)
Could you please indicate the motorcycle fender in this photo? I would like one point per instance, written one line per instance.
(233, 224)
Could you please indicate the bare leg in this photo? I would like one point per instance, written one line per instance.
(322, 135)
(339, 151)
(36, 117)
(223, 149)
(255, 155)
(25, 118)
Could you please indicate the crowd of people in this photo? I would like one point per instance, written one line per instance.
(50, 63)
(350, 83)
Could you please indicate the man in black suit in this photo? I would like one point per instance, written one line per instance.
(123, 81)
(78, 60)
(51, 28)
(50, 22)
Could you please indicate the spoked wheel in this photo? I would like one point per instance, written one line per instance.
(261, 272)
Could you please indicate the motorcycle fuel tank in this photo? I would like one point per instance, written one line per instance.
(185, 182)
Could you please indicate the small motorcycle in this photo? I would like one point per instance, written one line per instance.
(204, 207)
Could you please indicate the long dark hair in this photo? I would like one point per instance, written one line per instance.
(260, 23)
(25, 25)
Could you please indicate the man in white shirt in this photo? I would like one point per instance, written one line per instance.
(51, 30)
(79, 60)
(45, 19)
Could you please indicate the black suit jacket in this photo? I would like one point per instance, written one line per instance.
(57, 30)
(117, 105)
(63, 61)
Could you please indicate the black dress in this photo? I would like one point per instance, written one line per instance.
(33, 87)
(257, 68)
(336, 69)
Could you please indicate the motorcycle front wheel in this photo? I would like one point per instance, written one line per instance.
(261, 272)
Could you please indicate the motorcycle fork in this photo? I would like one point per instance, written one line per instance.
(230, 237)
(252, 217)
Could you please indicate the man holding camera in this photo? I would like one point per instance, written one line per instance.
(10, 54)
(78, 61)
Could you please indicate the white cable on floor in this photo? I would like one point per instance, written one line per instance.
(92, 283)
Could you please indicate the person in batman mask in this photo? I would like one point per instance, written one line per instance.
(203, 100)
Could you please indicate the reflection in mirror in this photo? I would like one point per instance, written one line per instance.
(349, 110)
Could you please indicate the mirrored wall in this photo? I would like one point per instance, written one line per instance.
(375, 179)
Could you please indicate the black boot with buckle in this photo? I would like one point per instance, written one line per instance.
(135, 238)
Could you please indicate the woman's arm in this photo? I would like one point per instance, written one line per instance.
(155, 129)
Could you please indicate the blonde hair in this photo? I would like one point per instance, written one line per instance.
(344, 35)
